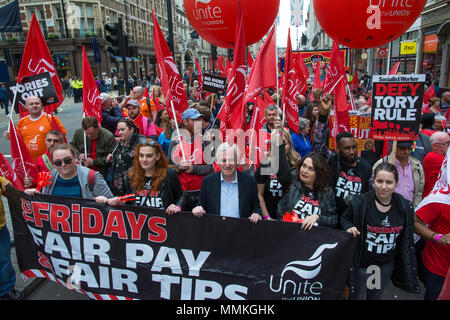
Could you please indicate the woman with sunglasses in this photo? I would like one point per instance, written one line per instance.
(383, 222)
(70, 179)
(152, 181)
(122, 157)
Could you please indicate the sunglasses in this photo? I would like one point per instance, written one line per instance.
(58, 163)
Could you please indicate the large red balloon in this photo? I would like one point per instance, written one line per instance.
(366, 23)
(215, 20)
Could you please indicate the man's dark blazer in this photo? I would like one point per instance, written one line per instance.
(209, 197)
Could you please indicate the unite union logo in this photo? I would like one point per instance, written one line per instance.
(306, 270)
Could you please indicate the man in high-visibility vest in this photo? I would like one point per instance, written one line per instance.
(77, 86)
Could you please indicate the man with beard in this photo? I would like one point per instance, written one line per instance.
(350, 174)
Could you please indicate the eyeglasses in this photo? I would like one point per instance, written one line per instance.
(445, 144)
(53, 140)
(58, 163)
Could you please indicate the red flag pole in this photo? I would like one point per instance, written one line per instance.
(18, 147)
(178, 131)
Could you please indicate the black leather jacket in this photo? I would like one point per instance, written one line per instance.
(328, 216)
(405, 274)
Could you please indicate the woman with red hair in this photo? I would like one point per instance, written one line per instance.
(152, 181)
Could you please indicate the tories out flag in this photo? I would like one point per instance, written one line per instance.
(130, 252)
(263, 74)
(394, 69)
(171, 83)
(396, 106)
(92, 105)
(290, 89)
(37, 59)
(200, 74)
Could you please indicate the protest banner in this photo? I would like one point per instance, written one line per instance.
(363, 129)
(396, 106)
(129, 252)
(39, 85)
(214, 84)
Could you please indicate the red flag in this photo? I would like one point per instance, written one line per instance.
(92, 105)
(37, 59)
(22, 163)
(146, 94)
(171, 84)
(394, 69)
(267, 98)
(290, 89)
(258, 119)
(342, 119)
(430, 93)
(250, 60)
(303, 75)
(335, 70)
(354, 85)
(221, 67)
(55, 126)
(317, 83)
(231, 115)
(9, 174)
(199, 71)
(263, 74)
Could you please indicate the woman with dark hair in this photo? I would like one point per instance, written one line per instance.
(383, 222)
(155, 184)
(121, 158)
(164, 122)
(309, 195)
(312, 114)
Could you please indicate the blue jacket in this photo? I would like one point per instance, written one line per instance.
(110, 119)
(301, 144)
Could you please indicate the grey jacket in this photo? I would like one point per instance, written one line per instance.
(100, 187)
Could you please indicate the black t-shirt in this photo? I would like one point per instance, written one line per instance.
(308, 204)
(273, 191)
(147, 198)
(381, 234)
(348, 183)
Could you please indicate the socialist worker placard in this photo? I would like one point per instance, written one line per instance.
(396, 106)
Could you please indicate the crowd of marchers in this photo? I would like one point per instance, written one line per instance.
(370, 195)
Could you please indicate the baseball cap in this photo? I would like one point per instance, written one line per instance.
(191, 113)
(133, 103)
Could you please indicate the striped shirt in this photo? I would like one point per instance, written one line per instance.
(67, 188)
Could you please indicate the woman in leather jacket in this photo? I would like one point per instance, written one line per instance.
(309, 195)
(383, 222)
(151, 180)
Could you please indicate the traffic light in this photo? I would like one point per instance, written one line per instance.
(116, 38)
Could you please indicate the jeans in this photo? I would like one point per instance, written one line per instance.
(7, 272)
(358, 281)
(433, 284)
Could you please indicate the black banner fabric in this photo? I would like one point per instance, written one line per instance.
(39, 85)
(10, 17)
(129, 252)
(214, 84)
(397, 106)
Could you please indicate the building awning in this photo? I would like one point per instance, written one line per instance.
(119, 59)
